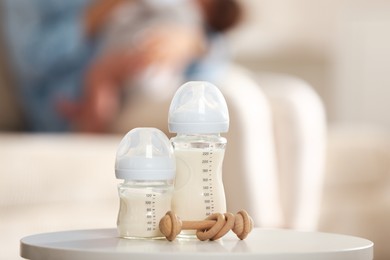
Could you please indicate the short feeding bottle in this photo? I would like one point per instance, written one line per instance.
(146, 163)
(198, 114)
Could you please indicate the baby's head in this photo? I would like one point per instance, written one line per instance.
(220, 15)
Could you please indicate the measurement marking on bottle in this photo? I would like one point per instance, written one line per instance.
(150, 202)
(207, 160)
(154, 210)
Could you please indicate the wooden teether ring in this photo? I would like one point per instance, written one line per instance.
(213, 227)
(228, 225)
(214, 230)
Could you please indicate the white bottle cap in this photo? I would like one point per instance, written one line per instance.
(198, 107)
(145, 154)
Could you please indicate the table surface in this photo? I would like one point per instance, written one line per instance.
(267, 244)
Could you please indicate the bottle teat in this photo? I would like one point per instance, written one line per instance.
(198, 107)
(145, 154)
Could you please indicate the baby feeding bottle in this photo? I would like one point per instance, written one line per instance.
(146, 163)
(198, 114)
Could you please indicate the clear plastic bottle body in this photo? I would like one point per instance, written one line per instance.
(199, 189)
(142, 205)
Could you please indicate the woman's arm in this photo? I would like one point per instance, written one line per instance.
(48, 37)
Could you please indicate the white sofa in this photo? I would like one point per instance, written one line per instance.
(356, 197)
(60, 182)
(273, 167)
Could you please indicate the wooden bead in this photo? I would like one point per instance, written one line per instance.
(170, 225)
(243, 224)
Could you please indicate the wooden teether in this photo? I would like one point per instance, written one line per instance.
(213, 227)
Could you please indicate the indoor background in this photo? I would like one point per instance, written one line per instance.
(342, 49)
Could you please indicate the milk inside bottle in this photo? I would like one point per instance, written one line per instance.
(146, 163)
(198, 114)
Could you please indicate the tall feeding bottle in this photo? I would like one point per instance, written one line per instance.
(198, 114)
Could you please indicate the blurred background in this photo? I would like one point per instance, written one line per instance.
(340, 48)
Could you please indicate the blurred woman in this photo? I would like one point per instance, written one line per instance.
(71, 69)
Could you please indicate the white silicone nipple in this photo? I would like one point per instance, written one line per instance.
(145, 154)
(198, 107)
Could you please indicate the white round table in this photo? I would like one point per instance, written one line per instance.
(261, 244)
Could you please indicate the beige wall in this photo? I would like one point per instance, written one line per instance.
(341, 47)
